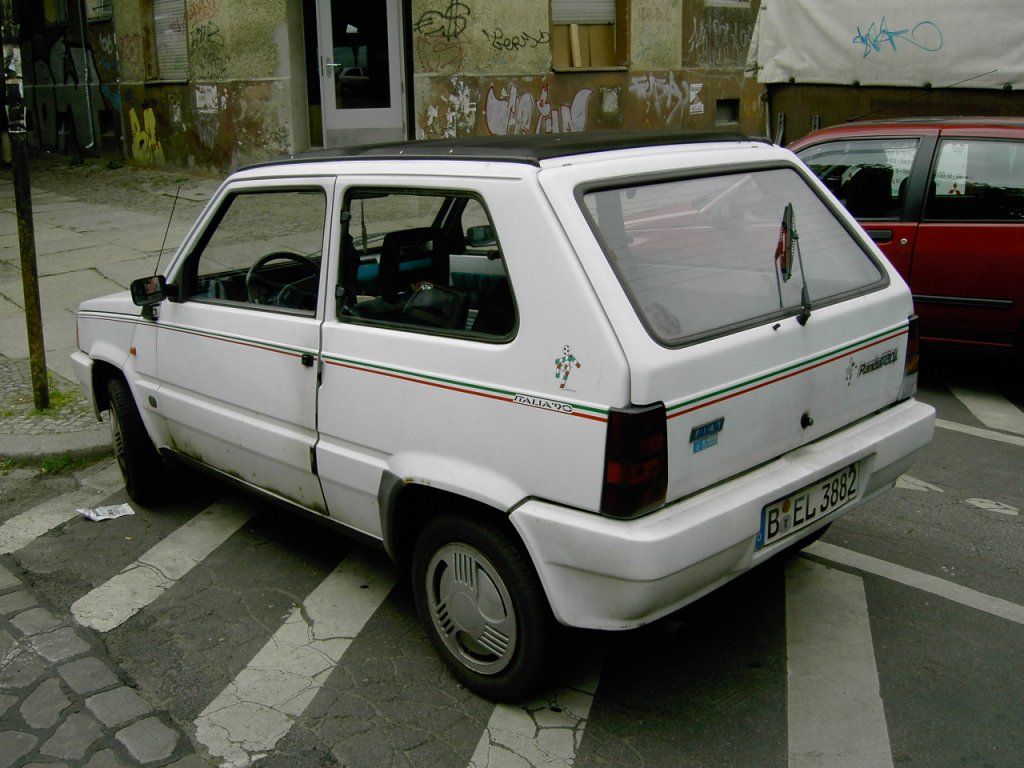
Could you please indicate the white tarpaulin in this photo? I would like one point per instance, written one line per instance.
(972, 43)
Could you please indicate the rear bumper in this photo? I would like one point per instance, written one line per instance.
(617, 574)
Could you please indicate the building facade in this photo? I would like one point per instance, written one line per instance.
(219, 83)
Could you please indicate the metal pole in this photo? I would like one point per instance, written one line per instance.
(16, 126)
(85, 70)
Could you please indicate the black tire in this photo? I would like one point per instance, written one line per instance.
(482, 605)
(141, 466)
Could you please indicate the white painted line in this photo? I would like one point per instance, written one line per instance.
(932, 584)
(994, 506)
(913, 484)
(988, 434)
(546, 732)
(114, 602)
(991, 409)
(259, 706)
(23, 529)
(836, 717)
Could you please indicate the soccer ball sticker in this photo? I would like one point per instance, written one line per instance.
(564, 365)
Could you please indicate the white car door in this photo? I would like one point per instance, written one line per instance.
(238, 348)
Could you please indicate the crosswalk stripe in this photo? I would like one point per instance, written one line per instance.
(922, 581)
(991, 409)
(545, 732)
(21, 530)
(255, 711)
(988, 434)
(139, 584)
(836, 717)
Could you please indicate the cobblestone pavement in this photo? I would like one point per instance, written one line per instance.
(18, 416)
(63, 703)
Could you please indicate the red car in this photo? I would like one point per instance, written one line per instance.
(944, 199)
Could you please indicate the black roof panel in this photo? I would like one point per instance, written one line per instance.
(529, 149)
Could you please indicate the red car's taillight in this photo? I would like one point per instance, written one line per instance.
(635, 461)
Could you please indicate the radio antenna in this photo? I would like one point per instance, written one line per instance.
(919, 96)
(170, 218)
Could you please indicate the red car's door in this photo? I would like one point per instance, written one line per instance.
(968, 260)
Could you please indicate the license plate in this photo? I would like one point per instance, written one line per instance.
(786, 516)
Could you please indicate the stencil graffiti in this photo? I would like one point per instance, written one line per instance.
(521, 113)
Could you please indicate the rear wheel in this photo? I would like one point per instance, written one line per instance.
(141, 466)
(483, 607)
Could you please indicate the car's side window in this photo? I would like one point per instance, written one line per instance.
(424, 261)
(263, 249)
(869, 176)
(977, 180)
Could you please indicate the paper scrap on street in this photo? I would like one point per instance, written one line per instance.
(107, 513)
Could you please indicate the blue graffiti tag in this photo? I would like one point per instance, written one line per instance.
(925, 35)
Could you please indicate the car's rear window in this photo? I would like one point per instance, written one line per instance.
(703, 256)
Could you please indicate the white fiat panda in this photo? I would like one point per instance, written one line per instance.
(567, 380)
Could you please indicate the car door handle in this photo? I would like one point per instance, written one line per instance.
(306, 359)
(880, 235)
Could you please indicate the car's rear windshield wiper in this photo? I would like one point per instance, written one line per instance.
(787, 252)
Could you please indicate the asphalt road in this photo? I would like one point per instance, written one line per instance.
(895, 641)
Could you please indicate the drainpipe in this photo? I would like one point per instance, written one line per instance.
(85, 66)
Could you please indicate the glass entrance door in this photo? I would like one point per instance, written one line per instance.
(361, 71)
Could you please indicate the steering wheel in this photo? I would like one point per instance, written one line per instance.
(262, 290)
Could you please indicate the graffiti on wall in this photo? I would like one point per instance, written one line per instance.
(58, 99)
(206, 51)
(522, 113)
(146, 147)
(501, 41)
(441, 39)
(665, 101)
(925, 35)
(198, 11)
(714, 41)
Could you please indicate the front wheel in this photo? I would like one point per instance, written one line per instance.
(483, 607)
(141, 466)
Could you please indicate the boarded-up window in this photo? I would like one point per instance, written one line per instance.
(583, 33)
(171, 47)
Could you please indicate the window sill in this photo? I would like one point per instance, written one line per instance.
(609, 68)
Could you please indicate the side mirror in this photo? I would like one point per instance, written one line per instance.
(480, 235)
(147, 291)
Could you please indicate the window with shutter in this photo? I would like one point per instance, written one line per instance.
(171, 44)
(584, 34)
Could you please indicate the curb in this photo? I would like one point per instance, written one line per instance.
(91, 444)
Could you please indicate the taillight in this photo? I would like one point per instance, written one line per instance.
(635, 461)
(911, 360)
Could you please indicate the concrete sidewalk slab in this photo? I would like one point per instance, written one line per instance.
(97, 226)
